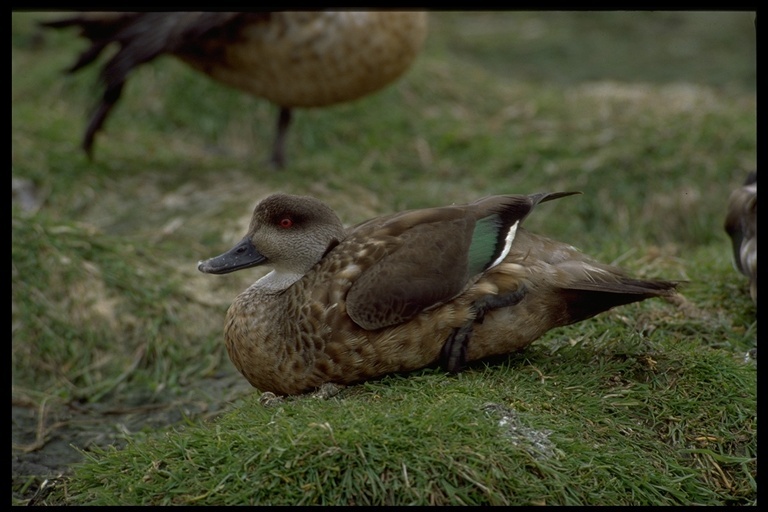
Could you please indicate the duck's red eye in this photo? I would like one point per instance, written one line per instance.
(285, 222)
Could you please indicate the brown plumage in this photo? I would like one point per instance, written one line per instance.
(741, 226)
(403, 291)
(293, 59)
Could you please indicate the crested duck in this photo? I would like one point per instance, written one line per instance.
(741, 226)
(404, 291)
(293, 59)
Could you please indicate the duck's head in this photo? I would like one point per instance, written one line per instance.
(291, 233)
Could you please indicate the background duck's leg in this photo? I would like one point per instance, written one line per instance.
(278, 148)
(453, 356)
(111, 95)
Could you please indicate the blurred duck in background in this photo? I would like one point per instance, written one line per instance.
(741, 226)
(293, 59)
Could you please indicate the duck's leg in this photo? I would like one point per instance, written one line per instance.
(328, 390)
(454, 353)
(269, 399)
(278, 147)
(111, 95)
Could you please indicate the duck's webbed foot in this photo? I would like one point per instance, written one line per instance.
(453, 356)
(269, 399)
(328, 390)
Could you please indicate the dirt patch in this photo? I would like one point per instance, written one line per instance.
(48, 438)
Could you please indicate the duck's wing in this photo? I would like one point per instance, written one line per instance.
(576, 285)
(741, 222)
(420, 259)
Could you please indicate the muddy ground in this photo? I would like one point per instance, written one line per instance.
(47, 438)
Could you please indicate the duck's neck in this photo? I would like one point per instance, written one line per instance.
(275, 281)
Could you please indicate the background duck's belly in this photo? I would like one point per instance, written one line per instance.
(318, 58)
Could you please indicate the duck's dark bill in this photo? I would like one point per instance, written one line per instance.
(243, 255)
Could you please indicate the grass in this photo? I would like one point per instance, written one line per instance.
(532, 430)
(649, 404)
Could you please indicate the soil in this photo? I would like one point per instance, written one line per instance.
(48, 438)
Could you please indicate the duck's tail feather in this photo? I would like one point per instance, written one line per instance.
(142, 37)
(103, 30)
(585, 300)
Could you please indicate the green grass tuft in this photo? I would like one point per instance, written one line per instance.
(533, 430)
